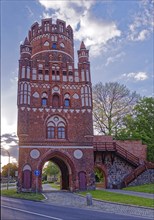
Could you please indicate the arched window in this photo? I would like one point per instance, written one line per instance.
(54, 46)
(44, 102)
(56, 128)
(86, 96)
(46, 26)
(66, 102)
(23, 72)
(55, 101)
(82, 75)
(44, 99)
(61, 133)
(61, 130)
(61, 28)
(24, 93)
(51, 132)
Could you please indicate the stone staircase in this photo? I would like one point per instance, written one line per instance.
(120, 151)
(126, 155)
(136, 172)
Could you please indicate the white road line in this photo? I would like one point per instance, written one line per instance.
(33, 213)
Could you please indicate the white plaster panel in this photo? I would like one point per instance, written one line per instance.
(27, 167)
(76, 96)
(36, 95)
(78, 154)
(35, 153)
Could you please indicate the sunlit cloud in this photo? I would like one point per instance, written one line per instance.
(142, 21)
(5, 146)
(30, 12)
(138, 76)
(7, 127)
(115, 58)
(5, 160)
(95, 32)
(9, 146)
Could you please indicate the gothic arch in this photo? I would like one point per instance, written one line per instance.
(104, 170)
(56, 127)
(60, 157)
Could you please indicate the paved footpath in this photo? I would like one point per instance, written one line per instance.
(47, 187)
(74, 200)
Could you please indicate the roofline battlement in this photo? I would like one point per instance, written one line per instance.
(48, 26)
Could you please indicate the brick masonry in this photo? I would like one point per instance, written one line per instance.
(55, 113)
(134, 147)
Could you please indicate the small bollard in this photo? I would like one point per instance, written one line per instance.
(89, 199)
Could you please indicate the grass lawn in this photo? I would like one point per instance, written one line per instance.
(120, 198)
(146, 188)
(29, 196)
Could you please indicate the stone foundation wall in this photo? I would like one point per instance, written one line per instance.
(116, 170)
(144, 178)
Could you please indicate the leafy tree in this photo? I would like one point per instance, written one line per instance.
(12, 166)
(51, 170)
(140, 125)
(111, 103)
(98, 175)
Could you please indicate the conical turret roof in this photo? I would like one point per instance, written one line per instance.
(26, 42)
(82, 46)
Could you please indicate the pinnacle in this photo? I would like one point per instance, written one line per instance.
(82, 46)
(26, 42)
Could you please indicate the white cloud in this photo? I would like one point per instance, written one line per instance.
(138, 76)
(95, 33)
(143, 35)
(6, 127)
(114, 58)
(142, 24)
(31, 14)
(9, 115)
(5, 160)
(62, 4)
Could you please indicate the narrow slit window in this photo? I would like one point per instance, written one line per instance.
(44, 102)
(66, 102)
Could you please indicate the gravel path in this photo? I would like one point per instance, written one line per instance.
(74, 200)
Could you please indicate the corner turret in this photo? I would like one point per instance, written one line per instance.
(83, 54)
(25, 49)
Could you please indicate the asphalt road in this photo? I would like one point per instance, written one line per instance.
(18, 209)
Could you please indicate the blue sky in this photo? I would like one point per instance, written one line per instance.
(119, 35)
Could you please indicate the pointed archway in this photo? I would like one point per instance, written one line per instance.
(66, 166)
(102, 181)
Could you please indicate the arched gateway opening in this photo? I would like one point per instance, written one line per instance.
(66, 167)
(100, 176)
(57, 174)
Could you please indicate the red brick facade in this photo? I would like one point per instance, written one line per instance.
(55, 114)
(54, 107)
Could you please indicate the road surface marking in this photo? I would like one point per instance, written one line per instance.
(34, 213)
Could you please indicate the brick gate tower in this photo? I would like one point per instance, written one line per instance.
(54, 108)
